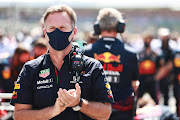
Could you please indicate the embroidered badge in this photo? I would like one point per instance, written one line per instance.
(44, 73)
(14, 96)
(17, 86)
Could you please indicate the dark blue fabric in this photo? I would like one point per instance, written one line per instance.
(147, 81)
(120, 82)
(31, 91)
(176, 87)
(59, 39)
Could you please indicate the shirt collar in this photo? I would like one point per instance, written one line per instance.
(108, 39)
(48, 58)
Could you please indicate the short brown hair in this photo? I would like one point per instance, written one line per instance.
(62, 8)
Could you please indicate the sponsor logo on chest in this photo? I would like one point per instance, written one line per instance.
(47, 83)
(44, 81)
(44, 73)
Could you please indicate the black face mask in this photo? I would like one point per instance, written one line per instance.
(59, 39)
(146, 45)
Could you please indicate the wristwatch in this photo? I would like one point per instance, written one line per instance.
(78, 107)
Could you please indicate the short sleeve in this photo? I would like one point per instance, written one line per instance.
(23, 91)
(101, 88)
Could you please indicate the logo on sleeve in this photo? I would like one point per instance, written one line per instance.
(109, 90)
(108, 86)
(17, 86)
(14, 96)
(44, 73)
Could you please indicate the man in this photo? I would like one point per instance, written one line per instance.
(20, 57)
(149, 63)
(44, 89)
(166, 47)
(121, 65)
(40, 47)
(176, 81)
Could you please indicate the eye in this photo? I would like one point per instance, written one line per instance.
(62, 28)
(52, 28)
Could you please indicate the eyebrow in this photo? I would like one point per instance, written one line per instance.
(52, 26)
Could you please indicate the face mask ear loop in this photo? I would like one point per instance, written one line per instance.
(72, 38)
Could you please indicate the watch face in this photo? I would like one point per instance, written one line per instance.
(76, 108)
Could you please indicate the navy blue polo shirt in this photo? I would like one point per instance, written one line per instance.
(39, 82)
(149, 63)
(119, 62)
(176, 67)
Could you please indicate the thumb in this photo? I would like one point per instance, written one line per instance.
(78, 89)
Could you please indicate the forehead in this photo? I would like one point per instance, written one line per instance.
(58, 18)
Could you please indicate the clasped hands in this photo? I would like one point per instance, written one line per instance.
(69, 98)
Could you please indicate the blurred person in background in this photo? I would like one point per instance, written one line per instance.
(21, 56)
(4, 62)
(24, 37)
(40, 47)
(4, 45)
(148, 110)
(149, 63)
(119, 61)
(80, 40)
(92, 38)
(166, 47)
(176, 81)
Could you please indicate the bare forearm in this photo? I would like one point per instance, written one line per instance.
(43, 114)
(164, 71)
(135, 85)
(96, 110)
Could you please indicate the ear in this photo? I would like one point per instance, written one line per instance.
(47, 38)
(74, 32)
(44, 31)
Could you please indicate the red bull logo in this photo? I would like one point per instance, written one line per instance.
(107, 57)
(177, 62)
(147, 67)
(110, 67)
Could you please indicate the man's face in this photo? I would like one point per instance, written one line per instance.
(147, 40)
(165, 38)
(60, 20)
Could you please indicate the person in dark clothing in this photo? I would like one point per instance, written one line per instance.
(119, 62)
(44, 89)
(149, 64)
(176, 82)
(40, 47)
(165, 46)
(20, 57)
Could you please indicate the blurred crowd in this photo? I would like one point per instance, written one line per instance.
(14, 52)
(159, 58)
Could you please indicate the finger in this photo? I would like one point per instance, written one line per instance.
(67, 96)
(60, 102)
(60, 96)
(71, 91)
(78, 89)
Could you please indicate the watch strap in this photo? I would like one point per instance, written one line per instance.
(80, 102)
